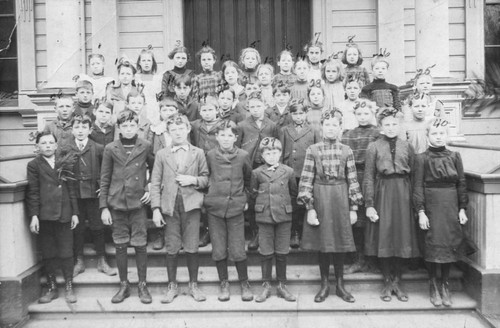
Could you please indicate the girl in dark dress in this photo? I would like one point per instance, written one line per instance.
(390, 233)
(330, 191)
(440, 198)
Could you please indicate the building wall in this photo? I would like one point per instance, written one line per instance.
(457, 39)
(41, 39)
(142, 24)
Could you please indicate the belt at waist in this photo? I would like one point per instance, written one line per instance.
(440, 185)
(330, 182)
(393, 176)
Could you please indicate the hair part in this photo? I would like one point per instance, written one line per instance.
(83, 119)
(227, 124)
(245, 51)
(154, 66)
(134, 93)
(44, 133)
(335, 63)
(206, 50)
(178, 119)
(344, 54)
(180, 49)
(126, 116)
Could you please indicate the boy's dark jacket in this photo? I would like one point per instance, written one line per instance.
(87, 168)
(123, 177)
(48, 196)
(273, 192)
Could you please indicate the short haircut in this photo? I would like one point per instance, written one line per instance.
(44, 133)
(270, 143)
(379, 59)
(229, 63)
(182, 79)
(180, 49)
(309, 89)
(206, 50)
(296, 105)
(101, 57)
(227, 124)
(84, 84)
(284, 52)
(281, 87)
(246, 51)
(352, 46)
(134, 93)
(255, 95)
(83, 119)
(127, 115)
(209, 100)
(106, 104)
(231, 91)
(332, 113)
(168, 102)
(154, 66)
(265, 66)
(335, 63)
(313, 44)
(301, 61)
(128, 64)
(63, 97)
(387, 111)
(178, 119)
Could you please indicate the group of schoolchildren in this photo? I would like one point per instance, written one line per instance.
(317, 156)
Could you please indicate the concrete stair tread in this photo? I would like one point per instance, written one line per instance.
(295, 274)
(365, 301)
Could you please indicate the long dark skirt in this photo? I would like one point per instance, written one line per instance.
(445, 233)
(334, 233)
(394, 234)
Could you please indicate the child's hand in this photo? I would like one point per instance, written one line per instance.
(35, 224)
(312, 217)
(371, 213)
(146, 198)
(74, 221)
(186, 180)
(158, 218)
(423, 221)
(246, 207)
(353, 215)
(106, 217)
(462, 217)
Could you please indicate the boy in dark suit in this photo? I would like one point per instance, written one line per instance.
(87, 171)
(295, 139)
(179, 171)
(273, 186)
(279, 113)
(84, 96)
(61, 127)
(53, 209)
(103, 132)
(230, 171)
(124, 192)
(251, 131)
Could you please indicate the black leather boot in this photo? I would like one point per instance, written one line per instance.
(144, 294)
(52, 292)
(123, 293)
(445, 293)
(324, 290)
(434, 293)
(69, 293)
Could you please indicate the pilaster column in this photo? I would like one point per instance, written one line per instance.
(173, 18)
(105, 32)
(432, 36)
(63, 42)
(391, 36)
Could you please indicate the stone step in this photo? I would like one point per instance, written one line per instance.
(301, 279)
(156, 258)
(318, 319)
(185, 312)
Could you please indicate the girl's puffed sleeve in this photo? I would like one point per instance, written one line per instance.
(463, 197)
(370, 173)
(418, 183)
(305, 195)
(355, 196)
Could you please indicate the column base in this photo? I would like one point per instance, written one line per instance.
(484, 286)
(16, 293)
